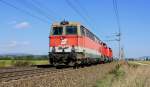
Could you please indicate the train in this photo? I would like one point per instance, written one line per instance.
(72, 44)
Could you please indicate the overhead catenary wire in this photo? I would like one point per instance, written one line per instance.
(49, 11)
(76, 10)
(36, 8)
(115, 6)
(71, 5)
(24, 11)
(86, 17)
(83, 9)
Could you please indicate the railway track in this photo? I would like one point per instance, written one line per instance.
(16, 74)
(11, 69)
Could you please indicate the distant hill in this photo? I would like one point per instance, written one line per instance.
(22, 56)
(145, 57)
(15, 54)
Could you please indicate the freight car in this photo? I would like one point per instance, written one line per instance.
(70, 43)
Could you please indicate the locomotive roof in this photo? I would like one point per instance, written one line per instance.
(68, 23)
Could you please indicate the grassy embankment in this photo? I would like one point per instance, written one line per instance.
(142, 62)
(11, 63)
(127, 75)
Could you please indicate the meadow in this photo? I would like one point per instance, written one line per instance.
(132, 74)
(14, 63)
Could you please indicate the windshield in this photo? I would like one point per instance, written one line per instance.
(57, 30)
(71, 29)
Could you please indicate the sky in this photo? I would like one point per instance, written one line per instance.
(25, 26)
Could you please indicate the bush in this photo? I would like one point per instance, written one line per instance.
(19, 63)
(2, 63)
(118, 71)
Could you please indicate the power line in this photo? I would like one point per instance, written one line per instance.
(78, 12)
(85, 11)
(83, 8)
(49, 11)
(24, 11)
(36, 8)
(86, 18)
(115, 6)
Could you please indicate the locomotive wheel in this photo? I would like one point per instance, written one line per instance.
(51, 59)
(82, 63)
(67, 62)
(76, 66)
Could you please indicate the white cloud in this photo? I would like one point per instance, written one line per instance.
(22, 25)
(14, 45)
(25, 43)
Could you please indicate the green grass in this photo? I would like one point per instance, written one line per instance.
(115, 74)
(37, 62)
(106, 81)
(5, 63)
(10, 63)
(133, 65)
(131, 74)
(143, 62)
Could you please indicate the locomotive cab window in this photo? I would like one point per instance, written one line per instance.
(71, 30)
(57, 30)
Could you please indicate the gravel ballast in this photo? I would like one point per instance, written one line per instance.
(82, 77)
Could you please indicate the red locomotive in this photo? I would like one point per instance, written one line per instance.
(73, 44)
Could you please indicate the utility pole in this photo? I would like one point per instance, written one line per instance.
(119, 44)
(115, 6)
(122, 54)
